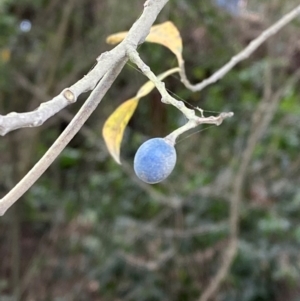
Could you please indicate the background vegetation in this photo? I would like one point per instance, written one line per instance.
(89, 229)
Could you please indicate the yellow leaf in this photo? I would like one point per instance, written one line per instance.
(149, 86)
(165, 34)
(115, 125)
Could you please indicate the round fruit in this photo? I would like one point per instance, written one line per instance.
(154, 160)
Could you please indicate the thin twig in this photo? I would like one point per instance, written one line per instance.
(244, 54)
(193, 119)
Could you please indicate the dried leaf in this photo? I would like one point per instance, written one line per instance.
(115, 125)
(165, 34)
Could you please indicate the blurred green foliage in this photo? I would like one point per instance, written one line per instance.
(88, 229)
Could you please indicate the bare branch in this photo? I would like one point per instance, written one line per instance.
(105, 62)
(13, 121)
(108, 67)
(193, 119)
(244, 54)
(217, 120)
(74, 126)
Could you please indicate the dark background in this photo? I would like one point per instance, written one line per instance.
(89, 229)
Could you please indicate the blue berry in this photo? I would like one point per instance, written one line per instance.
(154, 160)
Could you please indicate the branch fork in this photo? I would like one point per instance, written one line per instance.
(193, 119)
(99, 79)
